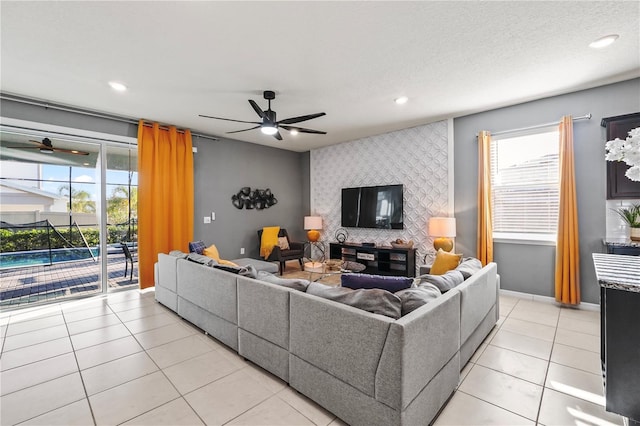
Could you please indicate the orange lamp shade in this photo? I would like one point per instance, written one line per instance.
(443, 228)
(312, 224)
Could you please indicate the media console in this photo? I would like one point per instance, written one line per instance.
(380, 260)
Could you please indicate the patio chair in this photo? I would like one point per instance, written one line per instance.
(128, 258)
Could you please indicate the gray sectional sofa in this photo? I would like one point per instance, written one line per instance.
(367, 369)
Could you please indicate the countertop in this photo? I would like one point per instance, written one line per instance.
(618, 271)
(621, 242)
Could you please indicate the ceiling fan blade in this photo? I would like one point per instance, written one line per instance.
(24, 147)
(244, 130)
(257, 109)
(303, 130)
(228, 119)
(36, 142)
(70, 151)
(277, 135)
(301, 118)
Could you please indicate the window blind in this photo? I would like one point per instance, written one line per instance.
(525, 184)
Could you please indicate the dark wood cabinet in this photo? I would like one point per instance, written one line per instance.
(377, 260)
(618, 185)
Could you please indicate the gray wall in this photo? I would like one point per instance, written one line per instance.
(221, 168)
(530, 268)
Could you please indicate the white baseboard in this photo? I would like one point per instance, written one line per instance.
(546, 299)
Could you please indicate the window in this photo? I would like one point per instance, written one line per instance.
(525, 186)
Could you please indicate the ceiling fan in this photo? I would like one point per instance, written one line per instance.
(269, 124)
(46, 147)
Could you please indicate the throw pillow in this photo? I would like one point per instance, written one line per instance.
(469, 266)
(212, 252)
(413, 298)
(294, 283)
(227, 262)
(444, 262)
(444, 282)
(376, 301)
(389, 283)
(283, 243)
(196, 247)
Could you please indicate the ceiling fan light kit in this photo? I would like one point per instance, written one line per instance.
(270, 125)
(46, 147)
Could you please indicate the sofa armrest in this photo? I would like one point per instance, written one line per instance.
(417, 347)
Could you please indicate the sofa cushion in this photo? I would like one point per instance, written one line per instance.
(373, 300)
(413, 298)
(443, 282)
(201, 259)
(177, 253)
(294, 283)
(444, 262)
(469, 266)
(368, 281)
(196, 247)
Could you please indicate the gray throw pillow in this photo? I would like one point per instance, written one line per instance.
(374, 300)
(413, 298)
(444, 282)
(201, 259)
(177, 253)
(294, 283)
(469, 266)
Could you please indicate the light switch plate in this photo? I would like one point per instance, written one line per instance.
(207, 219)
(213, 215)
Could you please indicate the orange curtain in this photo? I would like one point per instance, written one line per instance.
(567, 248)
(485, 205)
(165, 195)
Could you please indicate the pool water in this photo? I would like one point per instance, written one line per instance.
(41, 257)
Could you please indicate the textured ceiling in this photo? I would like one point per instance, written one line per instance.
(348, 59)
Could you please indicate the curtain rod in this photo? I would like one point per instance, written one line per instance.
(87, 112)
(539, 126)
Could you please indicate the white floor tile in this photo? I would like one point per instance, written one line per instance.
(576, 358)
(587, 327)
(273, 412)
(577, 383)
(29, 354)
(179, 350)
(227, 398)
(37, 372)
(515, 395)
(478, 352)
(114, 373)
(132, 399)
(89, 324)
(560, 409)
(549, 319)
(531, 329)
(516, 364)
(105, 352)
(101, 335)
(306, 407)
(144, 311)
(174, 413)
(127, 305)
(162, 335)
(523, 344)
(580, 314)
(196, 372)
(149, 323)
(266, 379)
(34, 337)
(464, 409)
(36, 400)
(30, 314)
(588, 342)
(34, 325)
(75, 414)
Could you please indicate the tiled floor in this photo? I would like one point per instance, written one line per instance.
(124, 359)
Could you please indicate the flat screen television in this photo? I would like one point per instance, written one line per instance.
(373, 207)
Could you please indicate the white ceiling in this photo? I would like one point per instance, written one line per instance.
(348, 59)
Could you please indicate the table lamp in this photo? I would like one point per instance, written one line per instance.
(312, 224)
(443, 229)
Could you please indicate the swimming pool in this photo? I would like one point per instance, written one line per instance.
(18, 259)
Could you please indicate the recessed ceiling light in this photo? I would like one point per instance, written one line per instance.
(118, 87)
(604, 41)
(294, 132)
(401, 100)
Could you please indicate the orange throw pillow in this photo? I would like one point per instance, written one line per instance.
(212, 252)
(444, 262)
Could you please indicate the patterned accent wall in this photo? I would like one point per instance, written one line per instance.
(415, 157)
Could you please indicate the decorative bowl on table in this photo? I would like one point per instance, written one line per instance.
(402, 244)
(334, 264)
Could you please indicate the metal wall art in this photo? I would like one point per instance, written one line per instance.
(258, 199)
